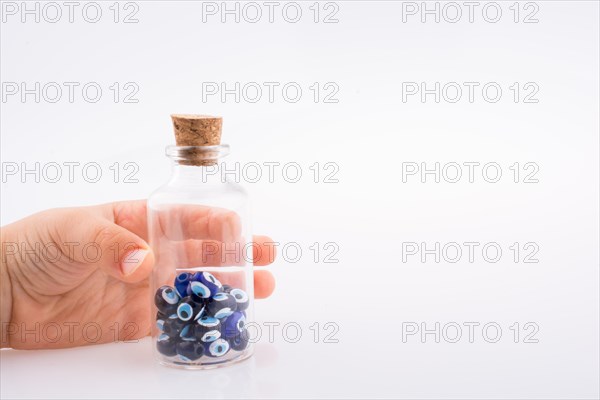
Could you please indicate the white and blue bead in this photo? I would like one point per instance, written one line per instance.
(166, 299)
(218, 348)
(241, 298)
(222, 305)
(188, 309)
(198, 291)
(208, 280)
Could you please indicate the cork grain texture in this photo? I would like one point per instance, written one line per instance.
(197, 130)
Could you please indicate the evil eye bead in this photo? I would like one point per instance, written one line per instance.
(187, 333)
(172, 325)
(241, 298)
(188, 309)
(208, 323)
(208, 280)
(234, 324)
(198, 291)
(189, 351)
(207, 329)
(239, 342)
(209, 336)
(166, 345)
(166, 299)
(218, 348)
(222, 305)
(181, 283)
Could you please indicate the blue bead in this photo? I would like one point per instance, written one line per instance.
(166, 345)
(166, 299)
(172, 326)
(208, 323)
(207, 329)
(239, 342)
(241, 298)
(189, 351)
(188, 309)
(208, 280)
(208, 336)
(222, 305)
(234, 324)
(187, 333)
(218, 348)
(181, 283)
(198, 291)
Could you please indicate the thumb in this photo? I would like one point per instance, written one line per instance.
(123, 254)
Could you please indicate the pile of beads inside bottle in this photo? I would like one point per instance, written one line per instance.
(200, 317)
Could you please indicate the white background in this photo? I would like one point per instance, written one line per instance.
(370, 294)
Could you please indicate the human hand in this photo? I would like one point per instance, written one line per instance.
(54, 296)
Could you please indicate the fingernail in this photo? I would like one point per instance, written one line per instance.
(133, 260)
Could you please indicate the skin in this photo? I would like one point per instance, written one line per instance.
(78, 302)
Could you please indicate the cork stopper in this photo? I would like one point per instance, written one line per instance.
(197, 130)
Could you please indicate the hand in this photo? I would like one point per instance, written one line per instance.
(54, 296)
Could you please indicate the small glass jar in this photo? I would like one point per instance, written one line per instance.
(202, 284)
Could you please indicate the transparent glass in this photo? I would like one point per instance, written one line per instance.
(202, 284)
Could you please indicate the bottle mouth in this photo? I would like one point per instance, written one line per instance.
(197, 155)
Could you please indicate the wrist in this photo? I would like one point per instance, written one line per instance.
(5, 291)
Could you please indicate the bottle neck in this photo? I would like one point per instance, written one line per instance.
(197, 164)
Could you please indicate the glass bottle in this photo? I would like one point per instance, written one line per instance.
(202, 285)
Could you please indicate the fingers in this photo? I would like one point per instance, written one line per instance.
(191, 222)
(121, 253)
(200, 223)
(177, 222)
(264, 251)
(209, 226)
(264, 284)
(131, 215)
(264, 254)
